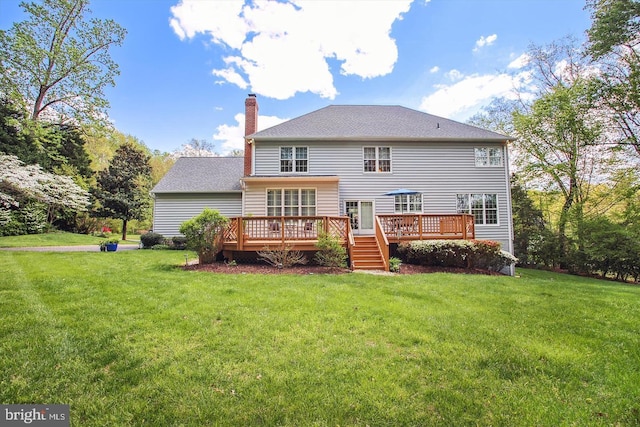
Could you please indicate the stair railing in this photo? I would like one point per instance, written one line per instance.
(383, 243)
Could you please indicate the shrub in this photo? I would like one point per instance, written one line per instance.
(394, 264)
(13, 226)
(179, 242)
(608, 248)
(330, 253)
(444, 253)
(151, 239)
(282, 257)
(34, 216)
(205, 234)
(481, 254)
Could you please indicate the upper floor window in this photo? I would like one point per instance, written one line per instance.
(294, 159)
(377, 159)
(488, 156)
(483, 207)
(408, 203)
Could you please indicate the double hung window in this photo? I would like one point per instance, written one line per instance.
(408, 203)
(377, 159)
(488, 156)
(483, 207)
(294, 159)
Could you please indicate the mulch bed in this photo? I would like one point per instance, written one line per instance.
(221, 267)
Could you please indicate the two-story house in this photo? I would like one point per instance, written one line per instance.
(333, 170)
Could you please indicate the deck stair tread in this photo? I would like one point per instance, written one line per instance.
(366, 254)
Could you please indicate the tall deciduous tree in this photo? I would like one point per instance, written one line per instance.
(614, 38)
(123, 188)
(558, 146)
(196, 148)
(57, 62)
(559, 135)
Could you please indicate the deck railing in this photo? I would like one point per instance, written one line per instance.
(249, 232)
(284, 229)
(383, 243)
(427, 226)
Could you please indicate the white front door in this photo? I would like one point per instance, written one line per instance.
(361, 214)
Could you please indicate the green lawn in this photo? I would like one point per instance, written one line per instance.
(57, 239)
(128, 338)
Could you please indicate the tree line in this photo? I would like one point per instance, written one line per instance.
(62, 165)
(576, 149)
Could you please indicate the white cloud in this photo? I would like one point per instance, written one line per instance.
(230, 75)
(219, 19)
(279, 49)
(464, 98)
(230, 138)
(485, 41)
(520, 62)
(454, 75)
(434, 70)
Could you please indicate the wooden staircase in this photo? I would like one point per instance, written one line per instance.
(365, 254)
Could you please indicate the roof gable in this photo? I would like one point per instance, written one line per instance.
(202, 175)
(374, 122)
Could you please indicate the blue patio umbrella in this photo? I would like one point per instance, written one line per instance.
(401, 192)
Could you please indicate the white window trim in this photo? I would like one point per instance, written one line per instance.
(282, 200)
(407, 204)
(484, 211)
(377, 147)
(293, 160)
(488, 157)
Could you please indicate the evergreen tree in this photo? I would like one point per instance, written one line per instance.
(123, 188)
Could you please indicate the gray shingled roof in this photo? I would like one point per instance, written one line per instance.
(374, 122)
(202, 175)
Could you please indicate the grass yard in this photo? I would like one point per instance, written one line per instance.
(128, 338)
(57, 239)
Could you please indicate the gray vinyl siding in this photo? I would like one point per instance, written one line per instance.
(171, 210)
(439, 170)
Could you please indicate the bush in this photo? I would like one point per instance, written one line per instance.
(282, 257)
(160, 247)
(480, 254)
(608, 248)
(205, 234)
(34, 217)
(151, 239)
(394, 264)
(179, 242)
(13, 225)
(330, 253)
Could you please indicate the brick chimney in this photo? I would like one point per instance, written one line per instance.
(250, 127)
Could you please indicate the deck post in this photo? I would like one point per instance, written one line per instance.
(464, 227)
(240, 236)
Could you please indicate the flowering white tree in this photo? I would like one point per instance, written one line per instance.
(196, 148)
(20, 182)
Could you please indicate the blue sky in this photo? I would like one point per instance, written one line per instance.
(187, 65)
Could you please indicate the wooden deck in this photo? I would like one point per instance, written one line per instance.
(399, 228)
(299, 232)
(250, 234)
